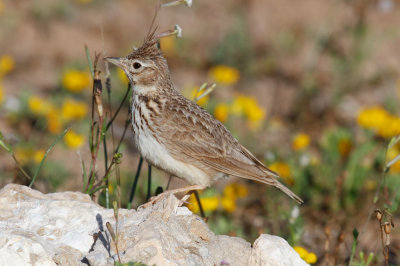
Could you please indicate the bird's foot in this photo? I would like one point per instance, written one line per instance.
(153, 200)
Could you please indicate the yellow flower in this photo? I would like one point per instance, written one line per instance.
(54, 124)
(122, 76)
(208, 204)
(72, 109)
(248, 106)
(255, 113)
(241, 190)
(23, 155)
(302, 251)
(1, 93)
(38, 106)
(76, 81)
(73, 140)
(110, 188)
(221, 112)
(373, 117)
(300, 141)
(391, 154)
(235, 191)
(229, 204)
(283, 170)
(238, 105)
(391, 128)
(224, 74)
(345, 147)
(203, 101)
(38, 155)
(308, 257)
(167, 45)
(379, 120)
(311, 258)
(6, 64)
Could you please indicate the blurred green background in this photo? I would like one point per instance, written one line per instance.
(311, 87)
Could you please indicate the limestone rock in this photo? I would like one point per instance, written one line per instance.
(67, 228)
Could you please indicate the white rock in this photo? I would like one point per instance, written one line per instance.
(67, 228)
(274, 250)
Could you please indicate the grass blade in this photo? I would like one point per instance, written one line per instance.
(89, 59)
(84, 174)
(45, 155)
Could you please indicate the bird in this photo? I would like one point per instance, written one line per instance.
(178, 136)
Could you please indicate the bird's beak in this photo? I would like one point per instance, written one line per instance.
(116, 61)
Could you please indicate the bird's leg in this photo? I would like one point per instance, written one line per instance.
(159, 197)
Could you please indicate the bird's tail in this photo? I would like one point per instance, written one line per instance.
(287, 191)
(269, 179)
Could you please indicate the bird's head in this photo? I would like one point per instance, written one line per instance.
(145, 67)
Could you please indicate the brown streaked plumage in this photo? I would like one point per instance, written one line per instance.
(178, 136)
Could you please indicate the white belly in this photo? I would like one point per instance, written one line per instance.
(157, 155)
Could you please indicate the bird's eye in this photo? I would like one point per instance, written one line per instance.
(136, 65)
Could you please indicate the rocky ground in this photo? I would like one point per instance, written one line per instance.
(67, 228)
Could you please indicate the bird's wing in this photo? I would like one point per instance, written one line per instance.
(195, 134)
(201, 139)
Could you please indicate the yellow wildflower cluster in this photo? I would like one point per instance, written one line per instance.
(308, 257)
(227, 201)
(378, 119)
(300, 141)
(26, 155)
(224, 74)
(56, 117)
(76, 81)
(283, 169)
(242, 105)
(73, 140)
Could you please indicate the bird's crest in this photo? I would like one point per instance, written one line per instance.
(149, 48)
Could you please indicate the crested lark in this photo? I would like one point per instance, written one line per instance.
(178, 136)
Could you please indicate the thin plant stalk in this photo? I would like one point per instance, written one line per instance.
(135, 182)
(196, 194)
(149, 183)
